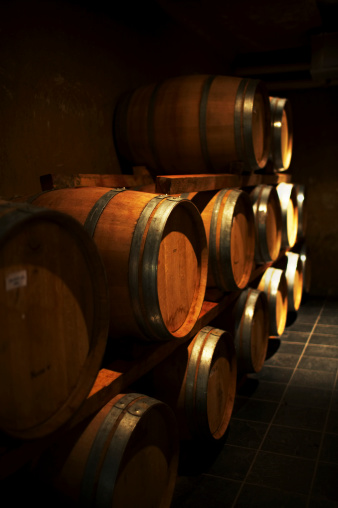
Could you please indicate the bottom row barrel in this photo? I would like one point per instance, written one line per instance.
(126, 455)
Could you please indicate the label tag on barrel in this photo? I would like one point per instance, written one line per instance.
(16, 280)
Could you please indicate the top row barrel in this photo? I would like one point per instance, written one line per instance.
(200, 124)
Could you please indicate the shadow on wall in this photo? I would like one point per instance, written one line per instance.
(62, 67)
(314, 163)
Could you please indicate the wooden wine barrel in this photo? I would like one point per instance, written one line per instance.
(273, 283)
(268, 223)
(198, 382)
(194, 124)
(294, 278)
(302, 210)
(54, 318)
(127, 452)
(281, 133)
(247, 319)
(287, 194)
(155, 253)
(229, 224)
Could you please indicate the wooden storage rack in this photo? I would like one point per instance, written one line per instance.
(121, 373)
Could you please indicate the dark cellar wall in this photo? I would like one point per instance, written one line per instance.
(315, 164)
(62, 67)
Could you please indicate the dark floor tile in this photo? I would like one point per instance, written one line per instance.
(254, 496)
(282, 360)
(273, 374)
(299, 327)
(329, 318)
(294, 336)
(321, 350)
(325, 484)
(290, 348)
(313, 308)
(254, 409)
(202, 491)
(313, 378)
(232, 463)
(263, 390)
(332, 422)
(327, 329)
(292, 441)
(329, 451)
(301, 416)
(292, 474)
(318, 350)
(246, 434)
(305, 396)
(322, 339)
(320, 502)
(314, 363)
(307, 317)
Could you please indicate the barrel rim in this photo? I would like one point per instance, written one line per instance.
(244, 106)
(196, 388)
(261, 196)
(151, 321)
(124, 419)
(278, 106)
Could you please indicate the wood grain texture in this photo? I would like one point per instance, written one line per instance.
(177, 184)
(231, 242)
(60, 181)
(268, 222)
(55, 318)
(187, 125)
(199, 382)
(129, 447)
(175, 232)
(274, 284)
(287, 193)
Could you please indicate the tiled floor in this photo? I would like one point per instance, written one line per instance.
(281, 447)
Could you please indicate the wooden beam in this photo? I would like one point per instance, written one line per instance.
(177, 184)
(60, 181)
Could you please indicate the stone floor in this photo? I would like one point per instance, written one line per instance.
(281, 447)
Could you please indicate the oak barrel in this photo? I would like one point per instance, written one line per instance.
(229, 224)
(54, 318)
(287, 193)
(294, 278)
(281, 133)
(154, 251)
(247, 319)
(194, 124)
(268, 222)
(273, 283)
(126, 455)
(199, 382)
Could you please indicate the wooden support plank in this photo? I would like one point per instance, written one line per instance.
(60, 181)
(177, 184)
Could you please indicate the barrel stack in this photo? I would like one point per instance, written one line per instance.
(147, 262)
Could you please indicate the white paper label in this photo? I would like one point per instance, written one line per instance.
(16, 280)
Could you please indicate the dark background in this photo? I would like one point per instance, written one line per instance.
(64, 64)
